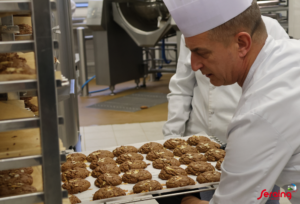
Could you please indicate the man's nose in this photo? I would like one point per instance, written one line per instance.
(196, 62)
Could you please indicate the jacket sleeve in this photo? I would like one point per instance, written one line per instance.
(256, 154)
(181, 87)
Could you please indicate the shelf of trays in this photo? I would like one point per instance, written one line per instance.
(19, 6)
(46, 89)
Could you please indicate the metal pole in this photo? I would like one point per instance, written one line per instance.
(82, 63)
(42, 32)
(153, 65)
(68, 108)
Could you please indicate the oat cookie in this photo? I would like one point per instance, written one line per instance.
(168, 171)
(13, 178)
(174, 142)
(148, 147)
(16, 189)
(108, 192)
(215, 154)
(24, 29)
(219, 162)
(100, 161)
(179, 181)
(155, 154)
(166, 161)
(27, 170)
(124, 149)
(76, 157)
(194, 140)
(129, 157)
(205, 146)
(77, 185)
(74, 173)
(192, 157)
(136, 164)
(99, 154)
(196, 168)
(74, 200)
(72, 164)
(105, 168)
(108, 179)
(146, 186)
(136, 175)
(183, 149)
(209, 176)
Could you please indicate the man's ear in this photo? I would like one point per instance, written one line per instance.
(244, 42)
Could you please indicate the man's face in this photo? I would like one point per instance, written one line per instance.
(215, 60)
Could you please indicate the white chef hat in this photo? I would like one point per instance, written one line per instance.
(194, 17)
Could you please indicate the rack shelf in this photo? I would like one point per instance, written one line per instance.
(22, 85)
(273, 9)
(16, 46)
(27, 161)
(18, 124)
(28, 198)
(20, 46)
(15, 6)
(19, 6)
(23, 123)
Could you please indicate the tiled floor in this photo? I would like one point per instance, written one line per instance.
(95, 116)
(95, 137)
(100, 136)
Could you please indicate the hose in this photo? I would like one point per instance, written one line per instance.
(98, 90)
(163, 55)
(85, 83)
(163, 52)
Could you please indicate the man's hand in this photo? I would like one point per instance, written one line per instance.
(193, 200)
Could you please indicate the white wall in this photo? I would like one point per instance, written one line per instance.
(294, 18)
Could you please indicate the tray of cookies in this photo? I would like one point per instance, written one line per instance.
(135, 172)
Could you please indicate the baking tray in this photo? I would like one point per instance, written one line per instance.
(24, 37)
(87, 196)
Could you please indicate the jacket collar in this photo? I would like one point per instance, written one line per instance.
(260, 57)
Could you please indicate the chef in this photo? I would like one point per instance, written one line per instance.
(196, 106)
(229, 44)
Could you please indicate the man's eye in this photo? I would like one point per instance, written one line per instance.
(204, 55)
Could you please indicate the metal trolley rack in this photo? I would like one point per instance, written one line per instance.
(46, 86)
(274, 8)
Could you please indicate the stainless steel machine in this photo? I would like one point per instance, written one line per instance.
(119, 35)
(122, 27)
(117, 57)
(146, 21)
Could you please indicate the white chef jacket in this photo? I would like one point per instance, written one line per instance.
(263, 143)
(197, 106)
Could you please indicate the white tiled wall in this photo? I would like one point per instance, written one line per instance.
(294, 18)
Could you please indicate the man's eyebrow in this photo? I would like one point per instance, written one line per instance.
(197, 49)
